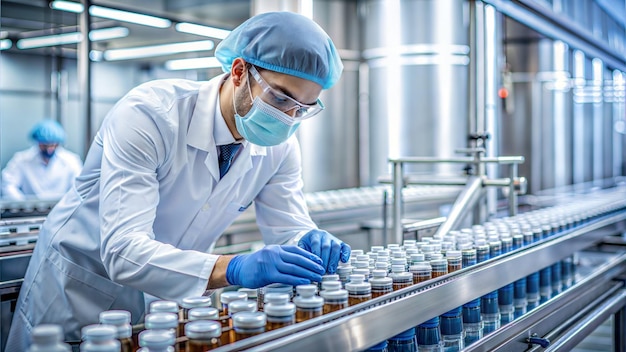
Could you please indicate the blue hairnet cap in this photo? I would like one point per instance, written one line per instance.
(284, 42)
(48, 132)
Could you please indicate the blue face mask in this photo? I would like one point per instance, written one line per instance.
(265, 125)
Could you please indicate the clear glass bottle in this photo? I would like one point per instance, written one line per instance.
(403, 342)
(381, 284)
(48, 338)
(401, 278)
(99, 338)
(358, 290)
(472, 322)
(308, 304)
(203, 335)
(121, 320)
(156, 341)
(428, 336)
(335, 298)
(420, 272)
(247, 324)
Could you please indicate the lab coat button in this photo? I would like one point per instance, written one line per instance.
(206, 207)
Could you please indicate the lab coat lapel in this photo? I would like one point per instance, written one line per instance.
(201, 126)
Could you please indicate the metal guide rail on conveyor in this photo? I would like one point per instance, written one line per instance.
(361, 326)
(19, 232)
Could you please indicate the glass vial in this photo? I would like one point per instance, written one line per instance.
(280, 315)
(358, 290)
(99, 338)
(247, 324)
(381, 284)
(203, 335)
(439, 267)
(335, 298)
(48, 338)
(421, 272)
(194, 302)
(403, 342)
(156, 341)
(225, 299)
(428, 336)
(308, 304)
(162, 321)
(401, 278)
(120, 319)
(206, 313)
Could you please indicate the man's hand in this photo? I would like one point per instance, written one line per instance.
(326, 246)
(288, 265)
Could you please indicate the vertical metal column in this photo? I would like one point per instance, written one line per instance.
(398, 184)
(485, 75)
(84, 72)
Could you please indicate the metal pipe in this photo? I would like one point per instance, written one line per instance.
(398, 184)
(465, 202)
(84, 71)
(461, 160)
(512, 193)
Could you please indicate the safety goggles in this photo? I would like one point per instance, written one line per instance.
(284, 102)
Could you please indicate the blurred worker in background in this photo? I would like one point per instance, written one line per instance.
(159, 186)
(43, 171)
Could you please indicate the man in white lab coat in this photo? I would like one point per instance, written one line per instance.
(152, 198)
(44, 171)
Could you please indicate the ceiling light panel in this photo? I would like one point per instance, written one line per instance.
(68, 6)
(132, 17)
(157, 50)
(206, 31)
(191, 64)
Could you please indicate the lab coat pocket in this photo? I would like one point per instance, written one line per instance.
(68, 294)
(236, 207)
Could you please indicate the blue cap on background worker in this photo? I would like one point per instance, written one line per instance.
(48, 134)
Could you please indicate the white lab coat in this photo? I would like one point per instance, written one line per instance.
(148, 208)
(27, 176)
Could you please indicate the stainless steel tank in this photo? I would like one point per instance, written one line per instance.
(329, 141)
(416, 53)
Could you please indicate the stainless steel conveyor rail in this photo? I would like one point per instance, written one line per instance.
(361, 326)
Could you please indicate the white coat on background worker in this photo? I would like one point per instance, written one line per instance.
(150, 203)
(45, 170)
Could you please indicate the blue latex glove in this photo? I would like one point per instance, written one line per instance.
(288, 265)
(326, 246)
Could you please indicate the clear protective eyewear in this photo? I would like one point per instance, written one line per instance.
(284, 102)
